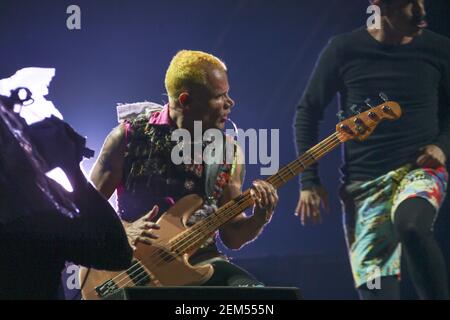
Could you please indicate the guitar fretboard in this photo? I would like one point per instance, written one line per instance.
(193, 237)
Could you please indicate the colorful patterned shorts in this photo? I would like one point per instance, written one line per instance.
(368, 209)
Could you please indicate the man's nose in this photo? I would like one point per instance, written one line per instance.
(419, 9)
(230, 102)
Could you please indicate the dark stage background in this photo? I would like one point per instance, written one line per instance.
(121, 54)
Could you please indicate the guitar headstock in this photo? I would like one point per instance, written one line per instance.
(360, 126)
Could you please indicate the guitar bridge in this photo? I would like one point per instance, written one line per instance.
(138, 277)
(106, 288)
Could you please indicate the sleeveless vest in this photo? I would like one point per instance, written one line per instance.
(151, 178)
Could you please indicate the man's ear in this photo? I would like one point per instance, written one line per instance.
(184, 99)
(382, 4)
(377, 2)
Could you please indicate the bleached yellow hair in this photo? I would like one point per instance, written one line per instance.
(187, 71)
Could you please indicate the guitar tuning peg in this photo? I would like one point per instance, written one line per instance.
(367, 102)
(383, 97)
(355, 109)
(340, 115)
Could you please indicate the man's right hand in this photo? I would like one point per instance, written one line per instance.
(308, 207)
(141, 229)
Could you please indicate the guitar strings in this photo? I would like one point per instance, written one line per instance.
(211, 220)
(322, 148)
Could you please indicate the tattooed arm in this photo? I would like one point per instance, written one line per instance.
(107, 171)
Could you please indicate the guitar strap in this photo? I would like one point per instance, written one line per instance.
(219, 172)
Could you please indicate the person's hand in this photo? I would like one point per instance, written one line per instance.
(308, 207)
(141, 229)
(431, 156)
(265, 197)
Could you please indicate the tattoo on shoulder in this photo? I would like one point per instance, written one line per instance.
(104, 162)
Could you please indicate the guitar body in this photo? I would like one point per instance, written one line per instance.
(160, 265)
(155, 265)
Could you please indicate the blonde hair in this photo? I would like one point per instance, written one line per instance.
(187, 70)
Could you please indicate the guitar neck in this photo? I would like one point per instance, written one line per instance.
(308, 158)
(192, 238)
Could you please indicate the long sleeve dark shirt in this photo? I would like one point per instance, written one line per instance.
(355, 65)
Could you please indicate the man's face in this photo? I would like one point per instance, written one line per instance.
(213, 104)
(406, 16)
